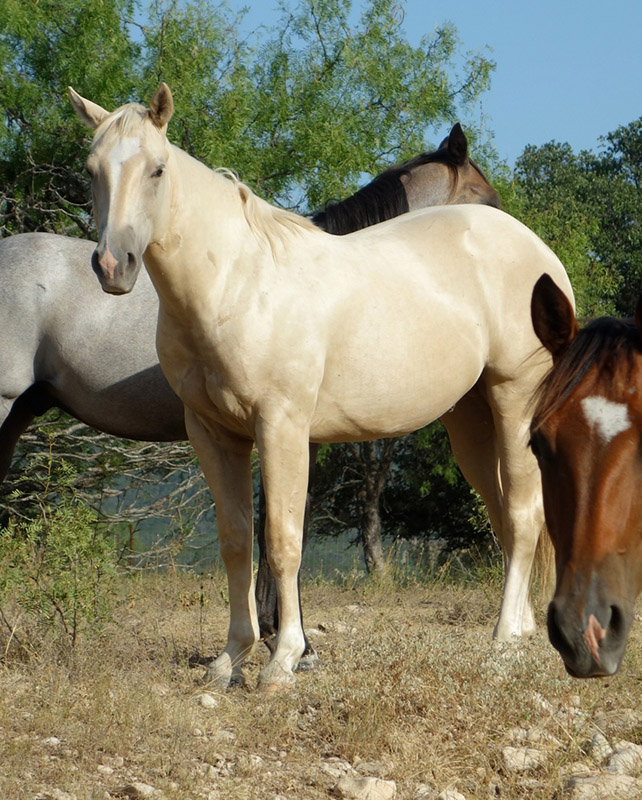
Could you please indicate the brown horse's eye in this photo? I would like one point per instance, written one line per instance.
(543, 447)
(535, 445)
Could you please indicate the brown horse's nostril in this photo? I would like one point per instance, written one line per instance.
(555, 633)
(617, 625)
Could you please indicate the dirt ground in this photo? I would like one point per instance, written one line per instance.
(410, 690)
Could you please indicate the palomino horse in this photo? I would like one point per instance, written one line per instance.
(272, 331)
(55, 320)
(586, 434)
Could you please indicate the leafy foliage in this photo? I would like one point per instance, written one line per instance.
(58, 565)
(44, 47)
(588, 207)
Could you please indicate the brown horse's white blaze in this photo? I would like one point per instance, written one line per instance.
(586, 434)
(275, 332)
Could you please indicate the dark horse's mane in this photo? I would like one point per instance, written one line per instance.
(603, 344)
(381, 199)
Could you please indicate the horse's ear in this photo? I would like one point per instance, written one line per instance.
(90, 113)
(552, 315)
(458, 145)
(161, 106)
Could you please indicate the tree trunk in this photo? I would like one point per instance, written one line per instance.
(375, 458)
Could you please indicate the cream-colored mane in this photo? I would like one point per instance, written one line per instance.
(275, 226)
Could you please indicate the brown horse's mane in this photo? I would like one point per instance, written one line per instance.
(381, 199)
(603, 345)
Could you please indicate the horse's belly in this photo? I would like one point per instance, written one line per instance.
(392, 402)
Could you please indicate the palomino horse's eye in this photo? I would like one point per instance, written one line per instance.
(158, 172)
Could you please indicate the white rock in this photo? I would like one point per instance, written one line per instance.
(451, 794)
(336, 768)
(52, 741)
(354, 788)
(626, 758)
(605, 787)
(521, 759)
(207, 700)
(137, 791)
(542, 702)
(599, 748)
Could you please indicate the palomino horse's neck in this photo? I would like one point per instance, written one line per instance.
(206, 231)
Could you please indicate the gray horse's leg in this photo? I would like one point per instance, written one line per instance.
(30, 404)
(266, 598)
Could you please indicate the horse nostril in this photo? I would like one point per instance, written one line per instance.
(617, 624)
(555, 634)
(131, 260)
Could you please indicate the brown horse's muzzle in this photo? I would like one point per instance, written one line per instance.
(589, 627)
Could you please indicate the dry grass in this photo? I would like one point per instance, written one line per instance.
(409, 679)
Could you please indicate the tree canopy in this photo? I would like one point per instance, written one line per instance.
(300, 111)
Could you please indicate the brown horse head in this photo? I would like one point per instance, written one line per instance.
(587, 436)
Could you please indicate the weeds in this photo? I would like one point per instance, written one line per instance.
(56, 567)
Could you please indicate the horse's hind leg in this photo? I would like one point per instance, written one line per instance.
(31, 403)
(471, 430)
(225, 461)
(523, 510)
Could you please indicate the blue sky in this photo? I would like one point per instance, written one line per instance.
(567, 70)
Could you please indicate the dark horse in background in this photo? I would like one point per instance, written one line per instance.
(66, 344)
(587, 436)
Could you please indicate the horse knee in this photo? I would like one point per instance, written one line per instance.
(235, 548)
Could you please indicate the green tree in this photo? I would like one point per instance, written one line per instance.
(618, 241)
(418, 488)
(303, 110)
(588, 208)
(44, 46)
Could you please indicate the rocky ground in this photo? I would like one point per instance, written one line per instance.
(411, 700)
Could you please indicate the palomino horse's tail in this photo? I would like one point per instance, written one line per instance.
(545, 564)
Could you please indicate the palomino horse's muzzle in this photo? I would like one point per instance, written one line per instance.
(117, 273)
(591, 643)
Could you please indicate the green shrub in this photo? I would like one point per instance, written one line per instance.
(58, 565)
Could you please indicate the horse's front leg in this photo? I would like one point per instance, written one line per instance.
(283, 451)
(225, 461)
(266, 595)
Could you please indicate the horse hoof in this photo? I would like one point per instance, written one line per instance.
(215, 681)
(279, 687)
(275, 678)
(221, 679)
